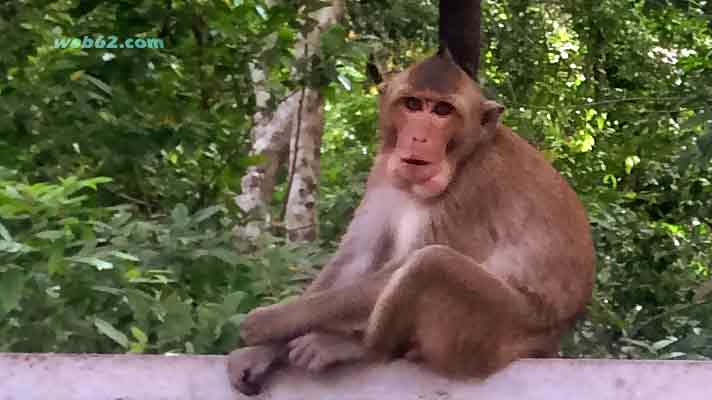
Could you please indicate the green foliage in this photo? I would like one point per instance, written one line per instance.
(170, 125)
(74, 277)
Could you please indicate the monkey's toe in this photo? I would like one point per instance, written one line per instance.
(304, 352)
(317, 351)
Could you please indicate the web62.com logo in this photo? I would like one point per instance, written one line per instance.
(108, 42)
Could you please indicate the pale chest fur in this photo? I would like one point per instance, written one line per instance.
(408, 223)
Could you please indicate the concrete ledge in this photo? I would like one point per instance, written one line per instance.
(147, 377)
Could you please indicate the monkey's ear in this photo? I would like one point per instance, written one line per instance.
(382, 87)
(372, 70)
(444, 52)
(491, 111)
(388, 77)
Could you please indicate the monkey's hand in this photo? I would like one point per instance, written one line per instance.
(272, 323)
(317, 350)
(249, 367)
(256, 327)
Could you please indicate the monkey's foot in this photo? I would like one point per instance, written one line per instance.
(316, 351)
(249, 367)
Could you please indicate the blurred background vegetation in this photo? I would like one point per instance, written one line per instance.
(119, 168)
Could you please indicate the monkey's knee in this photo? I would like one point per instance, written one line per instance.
(392, 321)
(435, 262)
(434, 253)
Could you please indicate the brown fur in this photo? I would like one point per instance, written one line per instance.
(488, 264)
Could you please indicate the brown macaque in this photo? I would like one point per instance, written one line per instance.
(468, 250)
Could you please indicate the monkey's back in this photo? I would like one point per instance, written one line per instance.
(527, 224)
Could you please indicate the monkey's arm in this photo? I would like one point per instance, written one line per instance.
(250, 367)
(345, 308)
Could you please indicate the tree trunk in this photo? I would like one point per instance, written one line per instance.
(304, 161)
(270, 139)
(301, 211)
(295, 126)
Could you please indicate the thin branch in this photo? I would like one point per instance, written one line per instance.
(295, 149)
(300, 228)
(608, 101)
(628, 100)
(286, 97)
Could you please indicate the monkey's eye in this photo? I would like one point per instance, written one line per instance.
(413, 104)
(443, 109)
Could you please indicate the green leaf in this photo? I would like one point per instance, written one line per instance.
(12, 282)
(261, 11)
(180, 215)
(227, 256)
(630, 162)
(611, 179)
(124, 256)
(99, 264)
(178, 319)
(92, 182)
(345, 82)
(661, 344)
(140, 303)
(110, 290)
(697, 120)
(233, 300)
(98, 83)
(107, 329)
(50, 235)
(139, 335)
(14, 247)
(206, 213)
(4, 233)
(56, 261)
(137, 347)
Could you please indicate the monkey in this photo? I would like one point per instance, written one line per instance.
(467, 252)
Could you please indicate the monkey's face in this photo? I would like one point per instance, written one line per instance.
(424, 124)
(430, 118)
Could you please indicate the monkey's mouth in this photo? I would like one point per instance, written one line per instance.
(415, 161)
(416, 170)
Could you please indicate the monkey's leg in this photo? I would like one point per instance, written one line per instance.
(343, 310)
(458, 317)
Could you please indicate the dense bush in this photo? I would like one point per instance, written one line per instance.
(76, 277)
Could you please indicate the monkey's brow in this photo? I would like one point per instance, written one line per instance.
(427, 95)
